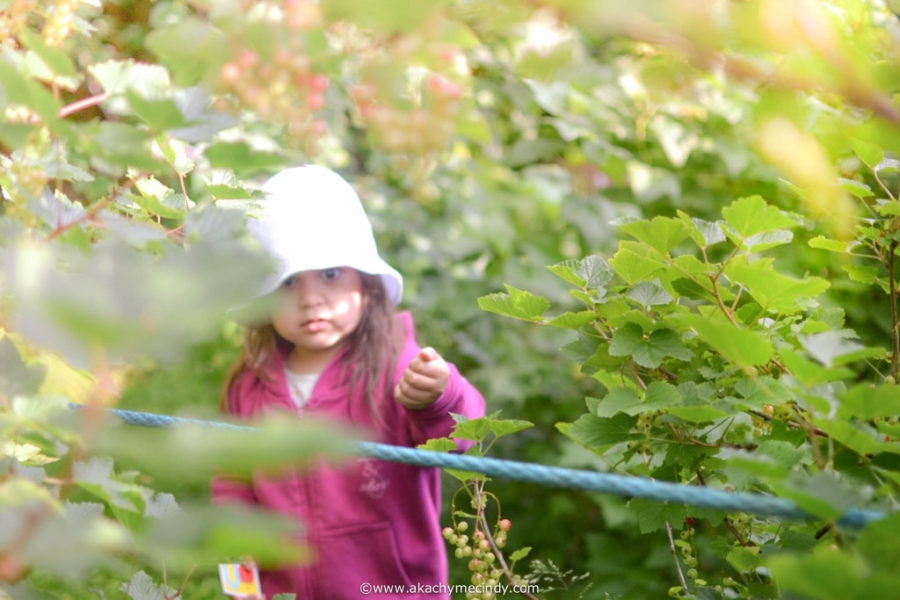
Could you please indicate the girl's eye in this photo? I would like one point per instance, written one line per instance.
(330, 274)
(288, 282)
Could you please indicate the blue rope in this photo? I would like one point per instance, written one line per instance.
(638, 487)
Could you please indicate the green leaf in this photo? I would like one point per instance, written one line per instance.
(648, 352)
(141, 587)
(159, 115)
(658, 395)
(827, 244)
(26, 91)
(649, 293)
(635, 262)
(696, 414)
(751, 215)
(653, 514)
(598, 433)
(832, 348)
(661, 233)
(704, 233)
(193, 49)
(593, 270)
(858, 189)
(439, 445)
(472, 429)
(773, 291)
(868, 152)
(743, 560)
(828, 574)
(822, 494)
(241, 158)
(866, 401)
(861, 442)
(516, 303)
(501, 427)
(520, 554)
(618, 400)
(809, 373)
(767, 239)
(146, 81)
(861, 273)
(888, 165)
(891, 208)
(14, 135)
(743, 347)
(56, 59)
(572, 320)
(15, 377)
(156, 198)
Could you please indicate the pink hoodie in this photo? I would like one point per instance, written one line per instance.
(370, 521)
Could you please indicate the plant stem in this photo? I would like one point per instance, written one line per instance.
(895, 324)
(87, 216)
(675, 558)
(479, 499)
(79, 105)
(718, 298)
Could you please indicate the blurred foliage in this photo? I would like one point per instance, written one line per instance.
(755, 140)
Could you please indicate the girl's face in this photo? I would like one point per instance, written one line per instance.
(316, 312)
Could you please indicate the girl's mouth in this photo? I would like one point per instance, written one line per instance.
(314, 325)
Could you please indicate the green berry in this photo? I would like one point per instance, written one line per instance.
(462, 526)
(458, 553)
(692, 573)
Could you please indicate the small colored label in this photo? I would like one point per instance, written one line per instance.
(239, 580)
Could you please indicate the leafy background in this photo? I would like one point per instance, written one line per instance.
(713, 184)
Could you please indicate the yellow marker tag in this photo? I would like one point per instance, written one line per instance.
(239, 581)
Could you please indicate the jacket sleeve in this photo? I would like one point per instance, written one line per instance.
(459, 397)
(225, 489)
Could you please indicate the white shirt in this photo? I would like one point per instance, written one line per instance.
(301, 386)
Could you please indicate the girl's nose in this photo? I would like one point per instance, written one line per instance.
(310, 294)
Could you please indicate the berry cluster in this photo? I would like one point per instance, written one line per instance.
(426, 127)
(688, 554)
(284, 88)
(646, 422)
(482, 560)
(58, 23)
(27, 181)
(13, 19)
(742, 525)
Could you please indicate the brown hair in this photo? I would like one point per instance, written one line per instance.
(372, 348)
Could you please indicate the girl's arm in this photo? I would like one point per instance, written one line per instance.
(459, 397)
(428, 415)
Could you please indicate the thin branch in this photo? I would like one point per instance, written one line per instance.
(82, 104)
(184, 191)
(674, 552)
(881, 183)
(490, 538)
(721, 304)
(87, 216)
(736, 298)
(895, 322)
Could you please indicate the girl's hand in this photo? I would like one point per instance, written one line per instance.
(423, 381)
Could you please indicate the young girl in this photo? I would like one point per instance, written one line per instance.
(334, 348)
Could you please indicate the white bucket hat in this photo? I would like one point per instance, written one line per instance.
(312, 219)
